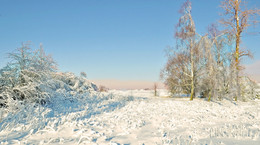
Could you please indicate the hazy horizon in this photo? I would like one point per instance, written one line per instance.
(128, 84)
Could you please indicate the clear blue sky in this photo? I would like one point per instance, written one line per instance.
(108, 39)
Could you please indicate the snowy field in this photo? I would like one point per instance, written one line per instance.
(132, 117)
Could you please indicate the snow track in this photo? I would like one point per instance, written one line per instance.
(133, 117)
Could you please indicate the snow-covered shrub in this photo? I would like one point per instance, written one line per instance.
(32, 76)
(72, 83)
(28, 70)
(249, 89)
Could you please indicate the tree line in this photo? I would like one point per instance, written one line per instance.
(210, 65)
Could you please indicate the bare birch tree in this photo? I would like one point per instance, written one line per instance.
(237, 19)
(186, 35)
(183, 67)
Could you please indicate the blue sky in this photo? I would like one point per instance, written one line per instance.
(108, 39)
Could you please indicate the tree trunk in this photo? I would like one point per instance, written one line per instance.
(192, 72)
(238, 32)
(209, 99)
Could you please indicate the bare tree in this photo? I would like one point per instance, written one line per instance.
(176, 73)
(186, 34)
(155, 87)
(217, 62)
(83, 74)
(102, 88)
(183, 67)
(237, 19)
(190, 44)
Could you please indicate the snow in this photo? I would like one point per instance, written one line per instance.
(132, 117)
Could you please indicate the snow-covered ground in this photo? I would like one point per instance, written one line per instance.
(133, 117)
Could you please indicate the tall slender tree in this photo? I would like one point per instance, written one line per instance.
(186, 41)
(183, 68)
(237, 19)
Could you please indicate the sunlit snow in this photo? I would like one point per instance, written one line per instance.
(132, 117)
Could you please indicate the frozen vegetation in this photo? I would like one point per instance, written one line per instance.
(210, 65)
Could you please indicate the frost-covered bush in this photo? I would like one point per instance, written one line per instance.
(71, 83)
(31, 76)
(249, 89)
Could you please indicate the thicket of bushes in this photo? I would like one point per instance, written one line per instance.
(32, 76)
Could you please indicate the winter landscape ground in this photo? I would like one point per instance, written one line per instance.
(132, 117)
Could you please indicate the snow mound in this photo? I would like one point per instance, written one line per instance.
(44, 124)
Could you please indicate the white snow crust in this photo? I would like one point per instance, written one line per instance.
(132, 117)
